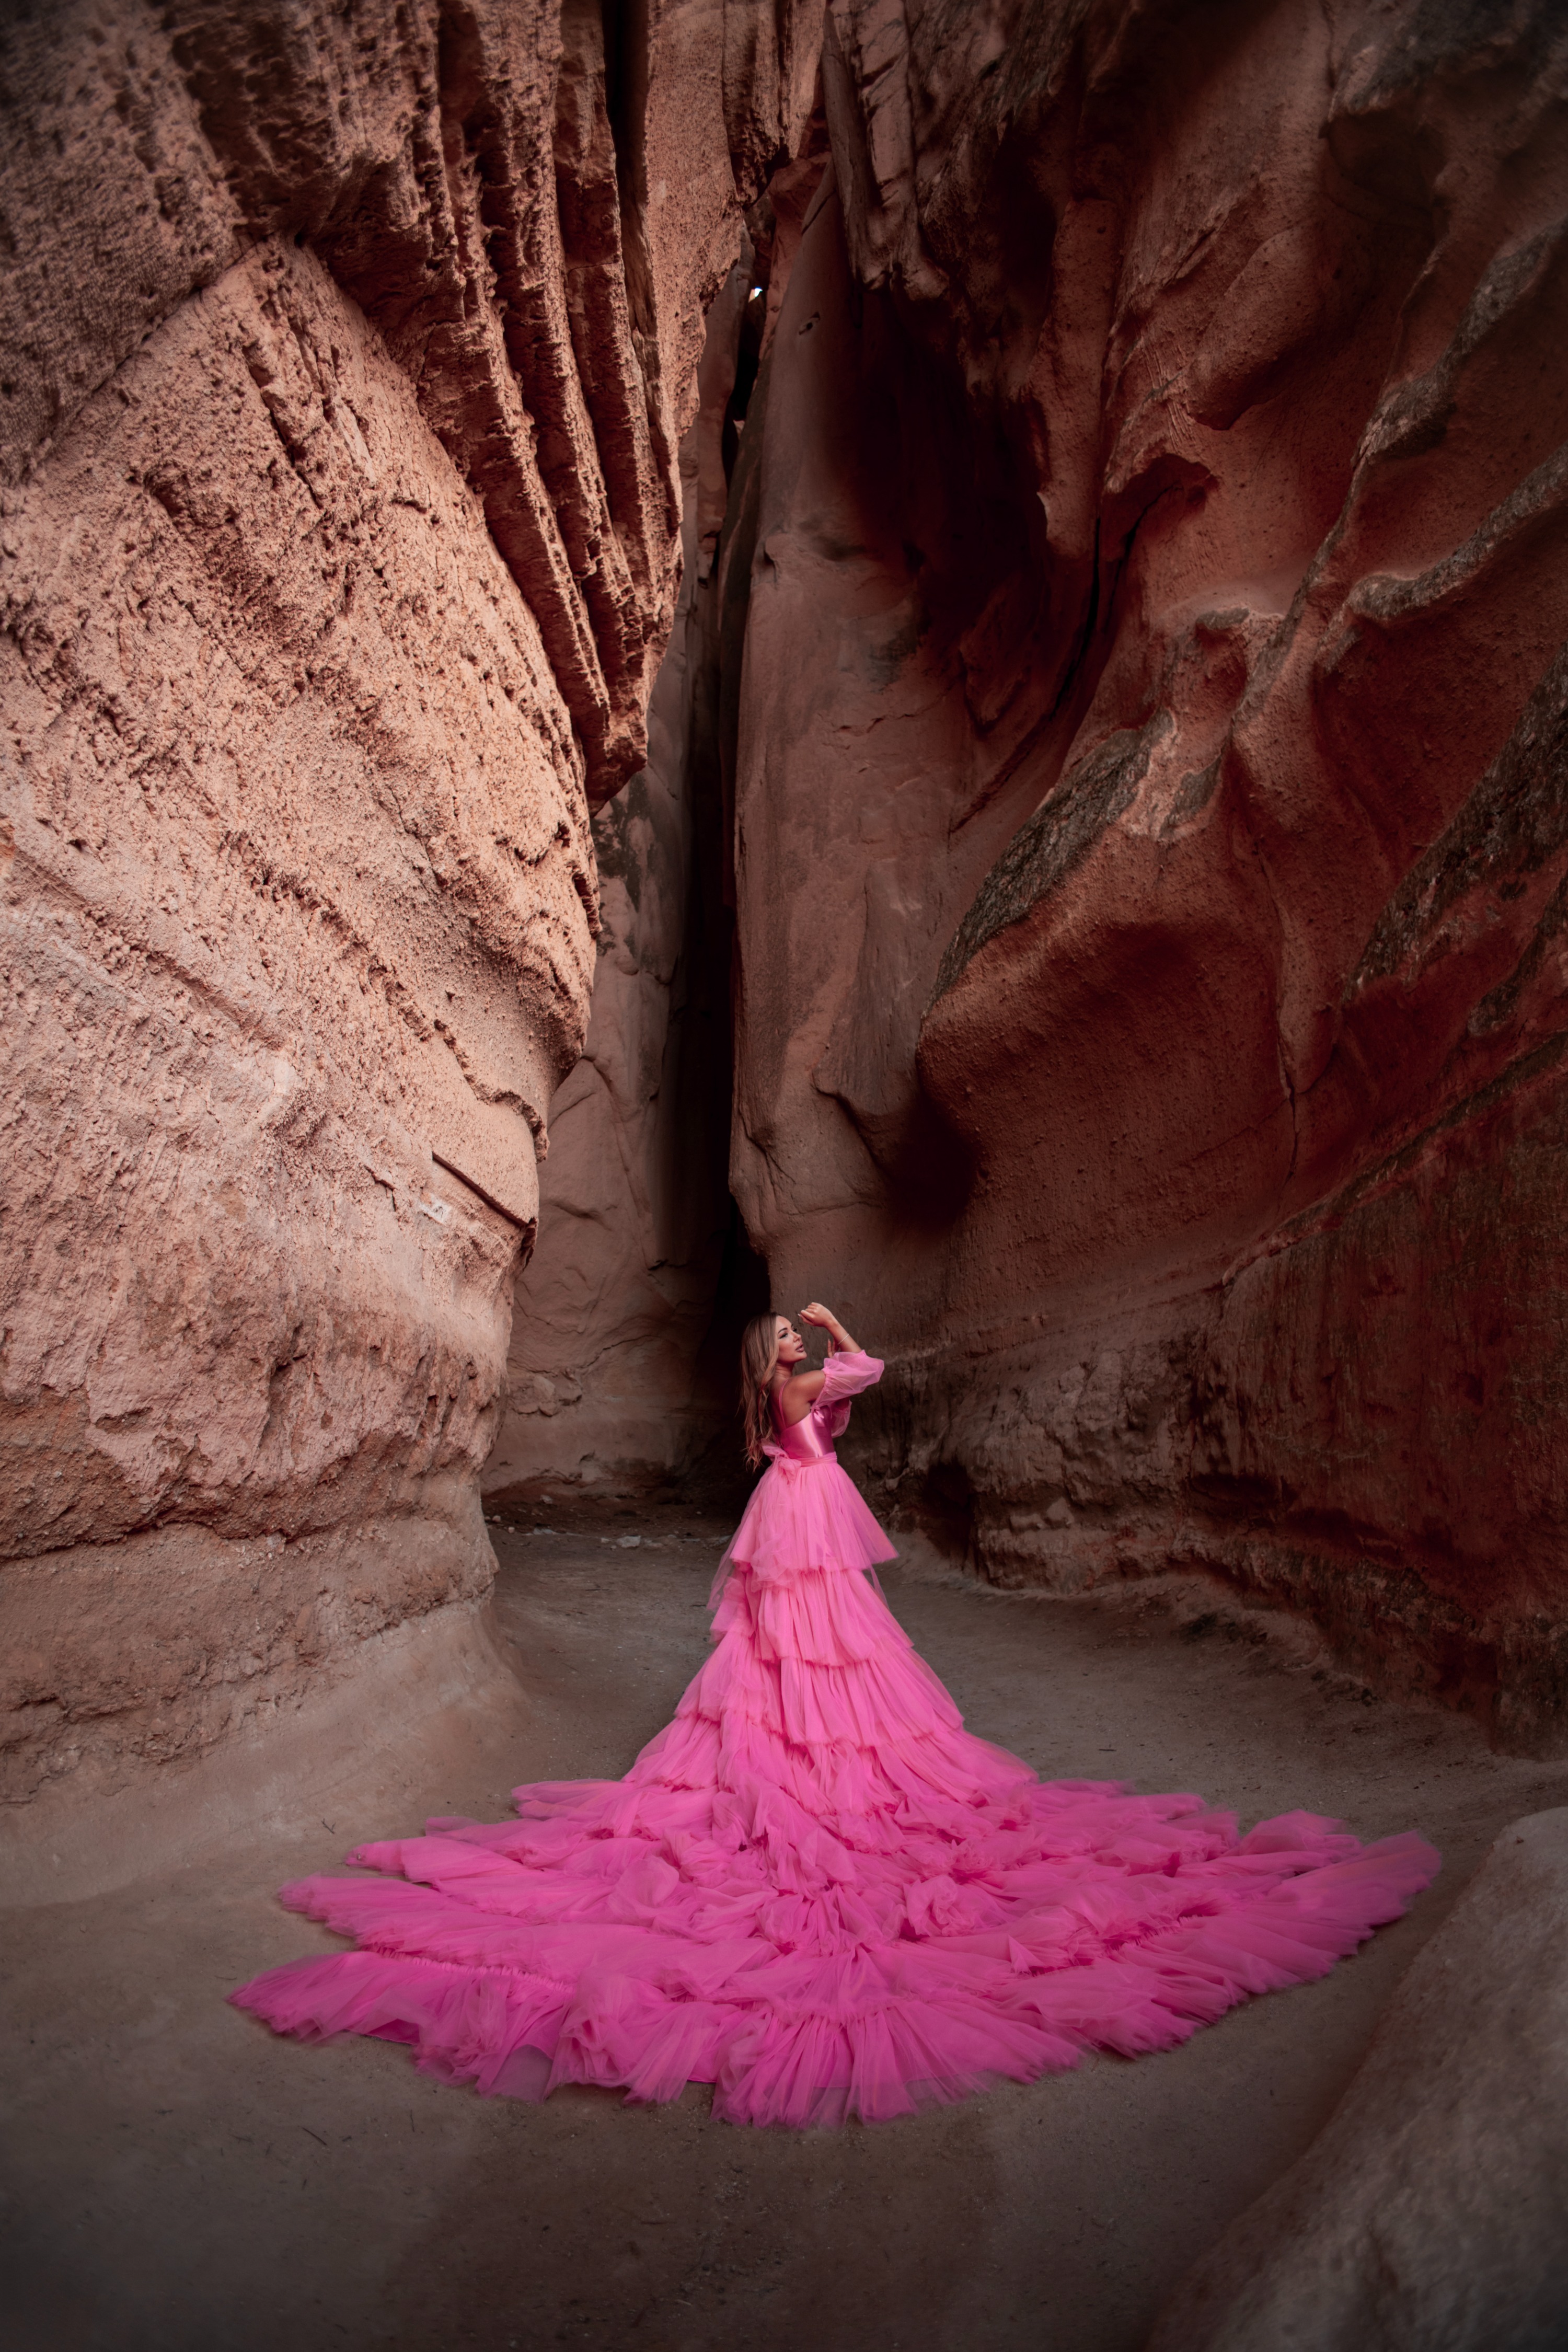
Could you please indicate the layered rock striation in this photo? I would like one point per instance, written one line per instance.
(1151, 809)
(347, 357)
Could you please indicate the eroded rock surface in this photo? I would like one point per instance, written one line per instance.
(1149, 801)
(347, 357)
(1428, 2212)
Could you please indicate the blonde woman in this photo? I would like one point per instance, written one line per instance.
(815, 1889)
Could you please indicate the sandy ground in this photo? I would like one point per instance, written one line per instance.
(177, 2180)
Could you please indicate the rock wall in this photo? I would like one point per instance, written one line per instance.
(347, 354)
(1151, 804)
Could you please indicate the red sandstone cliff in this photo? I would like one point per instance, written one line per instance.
(346, 360)
(1150, 803)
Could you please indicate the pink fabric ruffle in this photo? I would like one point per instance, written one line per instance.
(816, 1891)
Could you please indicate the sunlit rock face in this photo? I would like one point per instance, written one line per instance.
(346, 360)
(1151, 805)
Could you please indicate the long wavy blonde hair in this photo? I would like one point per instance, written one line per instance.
(759, 1361)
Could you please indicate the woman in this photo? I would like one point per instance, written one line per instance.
(814, 1889)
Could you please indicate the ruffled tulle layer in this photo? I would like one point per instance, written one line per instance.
(804, 1515)
(816, 1891)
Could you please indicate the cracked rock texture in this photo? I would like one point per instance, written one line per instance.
(346, 358)
(1146, 718)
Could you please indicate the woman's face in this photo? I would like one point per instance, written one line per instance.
(792, 1347)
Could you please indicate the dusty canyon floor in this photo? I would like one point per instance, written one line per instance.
(176, 2180)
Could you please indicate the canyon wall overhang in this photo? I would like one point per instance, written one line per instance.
(1151, 801)
(346, 359)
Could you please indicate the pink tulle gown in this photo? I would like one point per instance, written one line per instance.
(815, 1889)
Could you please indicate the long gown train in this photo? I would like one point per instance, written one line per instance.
(815, 1889)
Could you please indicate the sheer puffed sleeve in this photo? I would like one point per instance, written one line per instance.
(846, 1375)
(843, 1377)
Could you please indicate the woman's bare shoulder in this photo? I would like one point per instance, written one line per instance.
(798, 1395)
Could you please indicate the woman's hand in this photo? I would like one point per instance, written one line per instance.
(826, 1320)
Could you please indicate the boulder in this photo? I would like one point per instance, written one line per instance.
(1427, 2216)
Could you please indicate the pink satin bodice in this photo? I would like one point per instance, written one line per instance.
(810, 1438)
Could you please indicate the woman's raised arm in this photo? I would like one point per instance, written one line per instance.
(826, 1320)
